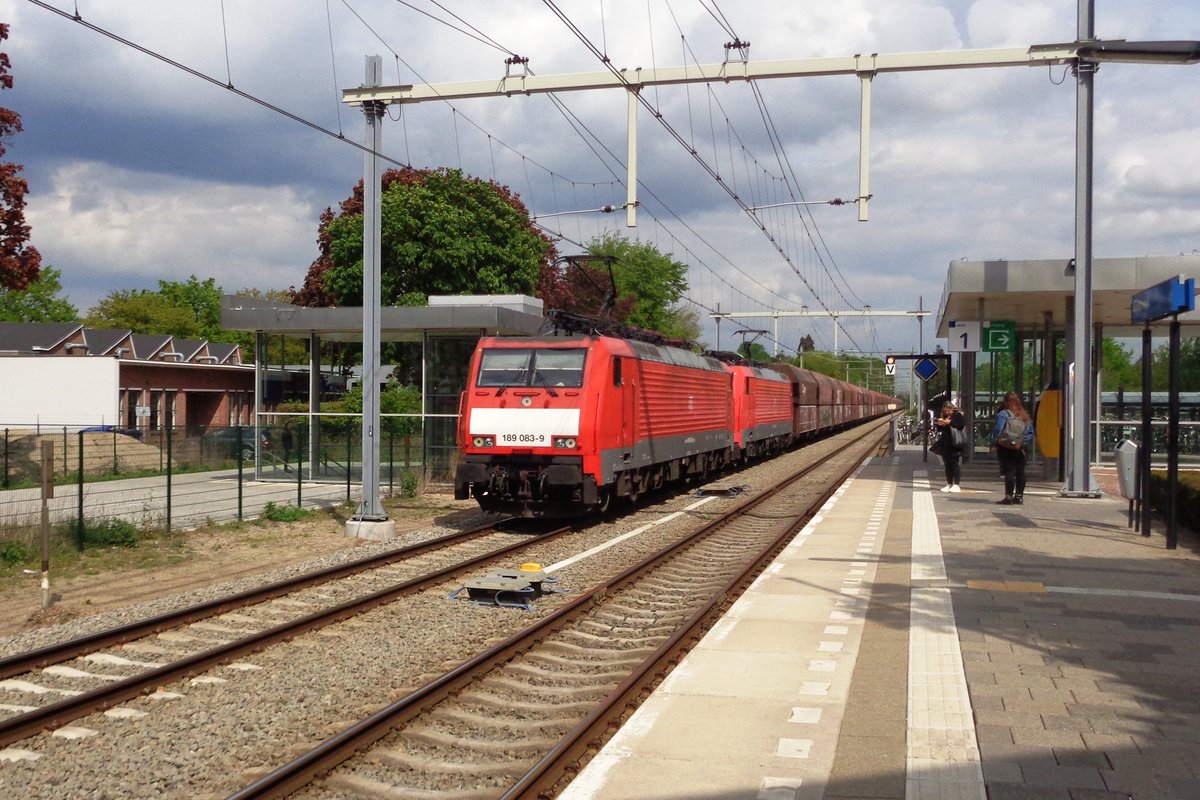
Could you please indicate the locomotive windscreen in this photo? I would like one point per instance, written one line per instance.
(531, 367)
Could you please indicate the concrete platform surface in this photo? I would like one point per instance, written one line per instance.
(918, 644)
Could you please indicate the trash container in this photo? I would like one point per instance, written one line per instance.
(1127, 468)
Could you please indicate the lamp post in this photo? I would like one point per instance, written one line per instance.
(1090, 52)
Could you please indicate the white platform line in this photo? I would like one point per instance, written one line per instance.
(942, 754)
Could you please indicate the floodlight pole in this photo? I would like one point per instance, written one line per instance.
(370, 508)
(1079, 473)
(1089, 51)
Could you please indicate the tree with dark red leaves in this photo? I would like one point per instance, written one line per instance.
(19, 261)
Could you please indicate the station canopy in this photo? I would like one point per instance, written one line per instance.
(1026, 291)
(497, 315)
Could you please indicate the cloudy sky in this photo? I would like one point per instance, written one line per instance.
(141, 170)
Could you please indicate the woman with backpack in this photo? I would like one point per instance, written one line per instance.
(1011, 433)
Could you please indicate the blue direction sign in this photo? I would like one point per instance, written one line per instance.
(925, 369)
(1172, 296)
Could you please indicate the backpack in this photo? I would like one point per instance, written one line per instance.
(1013, 434)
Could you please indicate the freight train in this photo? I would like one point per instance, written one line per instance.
(562, 425)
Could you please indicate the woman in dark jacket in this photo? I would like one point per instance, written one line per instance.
(951, 420)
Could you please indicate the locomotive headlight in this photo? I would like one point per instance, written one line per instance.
(484, 441)
(564, 442)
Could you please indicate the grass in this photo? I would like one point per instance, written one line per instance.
(115, 547)
(66, 561)
(72, 478)
(285, 513)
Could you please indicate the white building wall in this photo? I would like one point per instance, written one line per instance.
(58, 390)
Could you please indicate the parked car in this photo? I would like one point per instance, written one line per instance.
(131, 432)
(224, 441)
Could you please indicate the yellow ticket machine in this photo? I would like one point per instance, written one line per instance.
(1048, 421)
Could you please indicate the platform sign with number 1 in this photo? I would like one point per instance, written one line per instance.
(964, 336)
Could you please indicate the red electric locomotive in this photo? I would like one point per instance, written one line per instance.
(762, 408)
(560, 425)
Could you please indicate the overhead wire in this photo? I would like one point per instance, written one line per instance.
(781, 157)
(785, 165)
(580, 129)
(77, 19)
(337, 100)
(228, 85)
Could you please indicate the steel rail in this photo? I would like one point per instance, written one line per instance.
(57, 653)
(56, 714)
(305, 768)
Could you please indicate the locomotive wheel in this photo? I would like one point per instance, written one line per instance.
(605, 503)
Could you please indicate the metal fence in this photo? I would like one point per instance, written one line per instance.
(185, 478)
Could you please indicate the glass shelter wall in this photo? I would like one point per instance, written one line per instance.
(1117, 411)
(309, 408)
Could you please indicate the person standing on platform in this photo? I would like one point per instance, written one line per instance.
(1011, 434)
(950, 427)
(287, 441)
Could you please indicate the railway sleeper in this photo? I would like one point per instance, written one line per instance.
(558, 672)
(631, 631)
(627, 644)
(357, 785)
(484, 699)
(625, 617)
(586, 667)
(554, 726)
(570, 693)
(446, 741)
(419, 763)
(586, 653)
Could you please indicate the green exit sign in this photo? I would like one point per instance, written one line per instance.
(1000, 336)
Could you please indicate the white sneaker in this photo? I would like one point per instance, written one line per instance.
(955, 488)
(945, 488)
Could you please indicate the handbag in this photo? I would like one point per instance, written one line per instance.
(958, 439)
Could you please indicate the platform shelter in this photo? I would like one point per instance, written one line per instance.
(305, 356)
(1038, 297)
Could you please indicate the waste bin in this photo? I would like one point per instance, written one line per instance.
(1127, 468)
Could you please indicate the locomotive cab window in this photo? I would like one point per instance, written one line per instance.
(504, 368)
(531, 367)
(559, 368)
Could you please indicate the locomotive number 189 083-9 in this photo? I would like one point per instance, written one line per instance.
(523, 438)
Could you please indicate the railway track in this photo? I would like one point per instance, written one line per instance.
(220, 630)
(516, 719)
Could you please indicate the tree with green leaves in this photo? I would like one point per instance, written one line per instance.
(1189, 366)
(755, 352)
(626, 281)
(40, 301)
(143, 311)
(203, 299)
(442, 232)
(1119, 370)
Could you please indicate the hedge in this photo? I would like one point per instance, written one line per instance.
(1188, 501)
